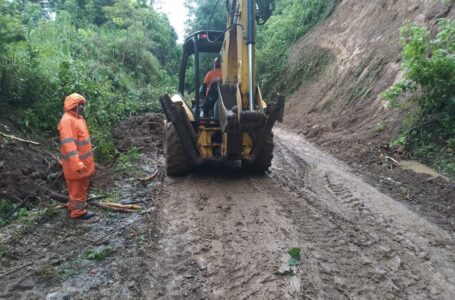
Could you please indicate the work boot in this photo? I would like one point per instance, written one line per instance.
(88, 215)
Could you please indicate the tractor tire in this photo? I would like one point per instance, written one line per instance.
(178, 163)
(263, 160)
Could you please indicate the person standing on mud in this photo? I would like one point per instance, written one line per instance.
(77, 156)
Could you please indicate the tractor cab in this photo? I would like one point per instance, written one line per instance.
(203, 46)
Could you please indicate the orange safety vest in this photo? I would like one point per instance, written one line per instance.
(75, 146)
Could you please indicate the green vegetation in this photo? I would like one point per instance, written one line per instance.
(379, 127)
(120, 54)
(291, 20)
(295, 256)
(5, 209)
(309, 65)
(98, 254)
(429, 89)
(200, 10)
(125, 162)
(9, 212)
(295, 253)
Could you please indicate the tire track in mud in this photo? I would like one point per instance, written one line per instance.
(235, 240)
(367, 255)
(225, 234)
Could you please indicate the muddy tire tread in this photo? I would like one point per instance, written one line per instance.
(264, 159)
(178, 163)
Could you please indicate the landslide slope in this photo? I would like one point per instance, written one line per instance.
(360, 43)
(357, 55)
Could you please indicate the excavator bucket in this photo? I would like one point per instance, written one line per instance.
(177, 113)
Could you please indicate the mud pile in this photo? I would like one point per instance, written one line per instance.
(29, 171)
(47, 255)
(26, 169)
(143, 132)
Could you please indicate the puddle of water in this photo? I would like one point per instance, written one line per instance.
(419, 168)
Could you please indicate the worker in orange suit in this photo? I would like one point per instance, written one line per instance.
(213, 75)
(76, 155)
(211, 94)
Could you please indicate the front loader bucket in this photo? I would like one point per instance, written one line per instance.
(175, 113)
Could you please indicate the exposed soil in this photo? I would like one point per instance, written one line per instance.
(48, 252)
(341, 109)
(221, 233)
(143, 132)
(25, 168)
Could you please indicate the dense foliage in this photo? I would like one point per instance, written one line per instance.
(291, 20)
(120, 54)
(206, 15)
(429, 78)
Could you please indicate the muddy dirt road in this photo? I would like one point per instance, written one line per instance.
(226, 236)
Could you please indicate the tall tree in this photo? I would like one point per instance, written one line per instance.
(206, 15)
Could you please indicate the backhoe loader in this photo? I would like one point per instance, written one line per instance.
(238, 127)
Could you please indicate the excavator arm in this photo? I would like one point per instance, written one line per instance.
(238, 55)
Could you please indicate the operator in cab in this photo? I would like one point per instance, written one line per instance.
(209, 89)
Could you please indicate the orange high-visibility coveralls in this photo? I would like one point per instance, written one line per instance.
(211, 77)
(77, 156)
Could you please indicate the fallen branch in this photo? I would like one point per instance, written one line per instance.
(19, 205)
(56, 178)
(15, 269)
(18, 139)
(118, 209)
(128, 208)
(20, 202)
(53, 156)
(48, 164)
(103, 205)
(393, 160)
(131, 202)
(116, 205)
(58, 197)
(64, 199)
(147, 178)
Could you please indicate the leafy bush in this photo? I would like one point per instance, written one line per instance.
(429, 84)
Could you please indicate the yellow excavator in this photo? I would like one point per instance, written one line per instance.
(234, 123)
